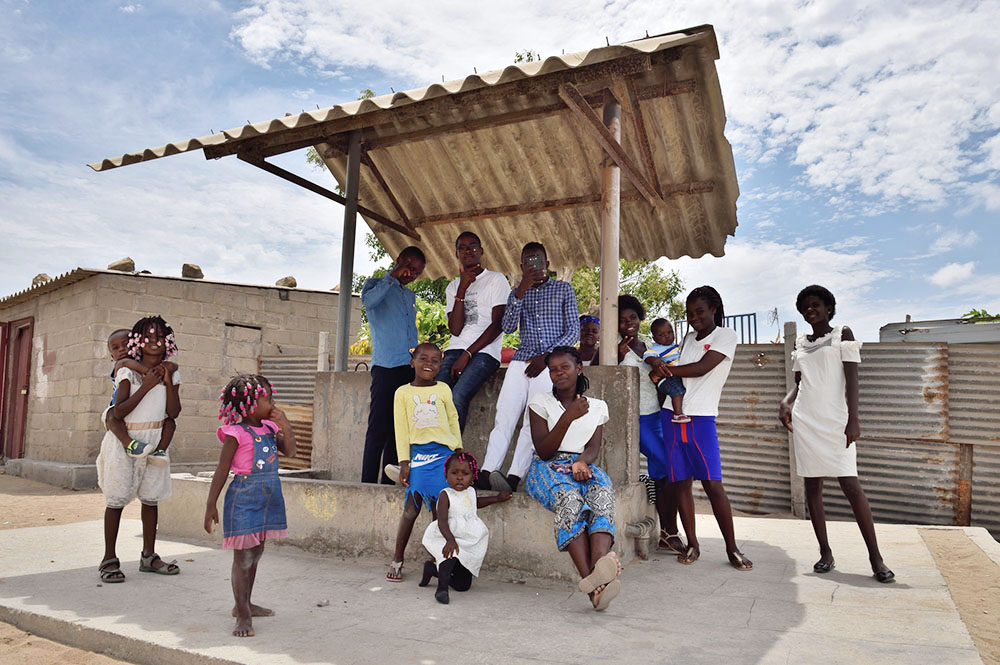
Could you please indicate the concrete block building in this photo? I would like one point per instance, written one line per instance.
(54, 362)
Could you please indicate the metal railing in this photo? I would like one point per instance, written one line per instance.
(745, 326)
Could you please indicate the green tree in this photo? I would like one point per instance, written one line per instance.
(527, 55)
(976, 314)
(657, 289)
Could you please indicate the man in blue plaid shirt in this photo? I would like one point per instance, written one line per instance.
(544, 311)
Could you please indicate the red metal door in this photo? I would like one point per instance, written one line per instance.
(18, 384)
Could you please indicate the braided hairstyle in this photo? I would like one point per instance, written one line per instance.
(712, 299)
(139, 336)
(462, 456)
(582, 382)
(239, 397)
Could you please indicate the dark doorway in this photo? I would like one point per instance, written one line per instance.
(16, 386)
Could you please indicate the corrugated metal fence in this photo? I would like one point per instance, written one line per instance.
(930, 425)
(294, 380)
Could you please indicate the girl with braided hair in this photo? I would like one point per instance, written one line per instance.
(255, 430)
(146, 401)
(457, 539)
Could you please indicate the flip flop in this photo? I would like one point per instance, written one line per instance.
(606, 569)
(395, 573)
(606, 595)
(690, 555)
(664, 544)
(741, 563)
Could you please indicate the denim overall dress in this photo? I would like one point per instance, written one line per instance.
(254, 503)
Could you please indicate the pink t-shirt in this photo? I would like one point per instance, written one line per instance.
(243, 459)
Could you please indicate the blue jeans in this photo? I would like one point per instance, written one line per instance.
(480, 368)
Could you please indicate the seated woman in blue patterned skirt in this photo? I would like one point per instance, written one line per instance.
(566, 429)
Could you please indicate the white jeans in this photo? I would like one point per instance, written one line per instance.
(515, 393)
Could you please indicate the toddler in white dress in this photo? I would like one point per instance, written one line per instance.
(457, 539)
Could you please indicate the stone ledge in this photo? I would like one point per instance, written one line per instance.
(355, 519)
(77, 476)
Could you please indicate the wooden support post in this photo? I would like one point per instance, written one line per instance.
(611, 187)
(797, 486)
(963, 506)
(347, 252)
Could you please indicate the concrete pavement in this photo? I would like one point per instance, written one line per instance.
(781, 612)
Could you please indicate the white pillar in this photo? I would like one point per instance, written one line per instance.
(611, 182)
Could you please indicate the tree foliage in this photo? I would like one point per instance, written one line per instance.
(976, 314)
(657, 289)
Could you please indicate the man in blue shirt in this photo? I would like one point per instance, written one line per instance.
(544, 311)
(392, 314)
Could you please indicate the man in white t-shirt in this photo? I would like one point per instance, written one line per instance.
(475, 303)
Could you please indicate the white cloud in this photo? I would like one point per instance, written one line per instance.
(885, 98)
(952, 274)
(130, 9)
(757, 276)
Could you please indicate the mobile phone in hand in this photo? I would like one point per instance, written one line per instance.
(534, 261)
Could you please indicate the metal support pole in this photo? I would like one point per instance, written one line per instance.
(796, 484)
(347, 252)
(611, 187)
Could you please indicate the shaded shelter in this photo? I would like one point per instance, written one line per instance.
(524, 154)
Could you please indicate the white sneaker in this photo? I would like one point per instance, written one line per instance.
(392, 472)
(158, 458)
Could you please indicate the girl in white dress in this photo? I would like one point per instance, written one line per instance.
(457, 539)
(822, 412)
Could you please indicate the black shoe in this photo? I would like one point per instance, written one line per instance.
(498, 483)
(482, 482)
(513, 481)
(885, 576)
(430, 570)
(442, 596)
(823, 566)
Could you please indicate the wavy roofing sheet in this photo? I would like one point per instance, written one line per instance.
(500, 153)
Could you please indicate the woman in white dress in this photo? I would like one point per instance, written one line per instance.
(822, 412)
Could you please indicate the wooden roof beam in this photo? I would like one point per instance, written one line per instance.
(595, 127)
(367, 161)
(699, 187)
(260, 163)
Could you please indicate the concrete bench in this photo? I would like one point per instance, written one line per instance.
(359, 520)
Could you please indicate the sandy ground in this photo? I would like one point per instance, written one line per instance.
(974, 582)
(25, 503)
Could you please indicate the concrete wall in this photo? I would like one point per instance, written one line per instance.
(221, 328)
(340, 420)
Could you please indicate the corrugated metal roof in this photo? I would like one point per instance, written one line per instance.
(502, 153)
(78, 274)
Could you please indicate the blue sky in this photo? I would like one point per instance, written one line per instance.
(866, 135)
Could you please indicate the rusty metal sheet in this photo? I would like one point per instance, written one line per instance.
(754, 446)
(914, 482)
(904, 391)
(300, 417)
(986, 489)
(974, 394)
